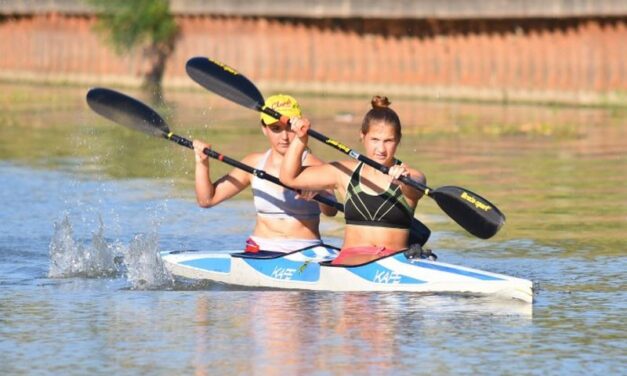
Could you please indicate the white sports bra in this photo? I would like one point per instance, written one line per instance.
(274, 201)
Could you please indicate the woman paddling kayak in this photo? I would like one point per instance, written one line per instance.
(286, 221)
(378, 208)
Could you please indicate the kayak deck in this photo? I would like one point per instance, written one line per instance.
(310, 269)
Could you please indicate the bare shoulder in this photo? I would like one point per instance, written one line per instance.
(345, 167)
(253, 159)
(347, 163)
(312, 160)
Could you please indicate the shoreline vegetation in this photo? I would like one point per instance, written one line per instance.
(615, 99)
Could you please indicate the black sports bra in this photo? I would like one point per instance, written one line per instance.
(387, 209)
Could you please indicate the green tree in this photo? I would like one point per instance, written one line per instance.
(147, 25)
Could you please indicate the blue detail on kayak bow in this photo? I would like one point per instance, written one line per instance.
(211, 264)
(286, 270)
(320, 253)
(434, 266)
(378, 274)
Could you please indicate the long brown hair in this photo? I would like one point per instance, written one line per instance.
(382, 112)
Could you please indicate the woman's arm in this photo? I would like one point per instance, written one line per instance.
(329, 211)
(293, 174)
(409, 192)
(209, 194)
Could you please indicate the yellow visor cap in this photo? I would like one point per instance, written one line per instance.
(283, 104)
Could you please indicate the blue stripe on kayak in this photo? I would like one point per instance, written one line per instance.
(376, 273)
(309, 253)
(211, 264)
(286, 270)
(423, 264)
(320, 253)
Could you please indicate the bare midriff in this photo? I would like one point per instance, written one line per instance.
(288, 228)
(372, 236)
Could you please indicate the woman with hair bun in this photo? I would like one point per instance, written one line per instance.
(378, 208)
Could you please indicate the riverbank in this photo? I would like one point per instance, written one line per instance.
(616, 99)
(553, 52)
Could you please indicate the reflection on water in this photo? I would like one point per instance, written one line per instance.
(557, 173)
(301, 332)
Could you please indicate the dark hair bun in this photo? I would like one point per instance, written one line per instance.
(380, 102)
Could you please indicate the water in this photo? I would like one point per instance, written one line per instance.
(85, 207)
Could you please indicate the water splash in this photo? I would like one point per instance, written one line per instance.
(145, 269)
(139, 262)
(69, 258)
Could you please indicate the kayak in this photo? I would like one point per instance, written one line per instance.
(310, 269)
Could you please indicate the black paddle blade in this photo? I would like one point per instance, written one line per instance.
(126, 111)
(418, 233)
(224, 81)
(471, 211)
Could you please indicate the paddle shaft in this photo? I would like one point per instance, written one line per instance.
(348, 151)
(261, 174)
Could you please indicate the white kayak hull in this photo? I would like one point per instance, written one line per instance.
(309, 269)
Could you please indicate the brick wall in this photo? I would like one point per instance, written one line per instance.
(579, 60)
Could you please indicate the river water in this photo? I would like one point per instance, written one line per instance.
(86, 206)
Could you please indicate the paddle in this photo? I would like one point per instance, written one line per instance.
(136, 115)
(471, 211)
